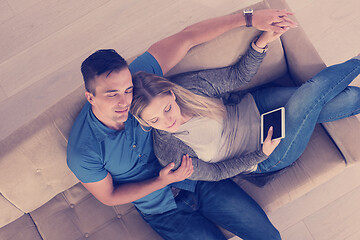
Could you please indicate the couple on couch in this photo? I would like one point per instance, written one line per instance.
(170, 146)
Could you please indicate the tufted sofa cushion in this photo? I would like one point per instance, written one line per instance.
(76, 214)
(8, 211)
(22, 229)
(34, 160)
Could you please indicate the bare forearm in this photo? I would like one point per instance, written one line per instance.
(130, 192)
(169, 51)
(211, 28)
(106, 193)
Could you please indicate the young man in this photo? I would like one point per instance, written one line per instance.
(113, 157)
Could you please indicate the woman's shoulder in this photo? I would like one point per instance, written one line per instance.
(160, 137)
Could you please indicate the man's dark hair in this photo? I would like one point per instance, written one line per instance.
(100, 62)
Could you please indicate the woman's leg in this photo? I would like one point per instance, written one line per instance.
(303, 109)
(345, 104)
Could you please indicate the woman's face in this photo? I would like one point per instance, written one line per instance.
(163, 113)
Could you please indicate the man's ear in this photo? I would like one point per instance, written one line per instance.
(90, 97)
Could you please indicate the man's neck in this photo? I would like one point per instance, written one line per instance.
(110, 123)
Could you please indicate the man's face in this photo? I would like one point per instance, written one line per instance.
(113, 96)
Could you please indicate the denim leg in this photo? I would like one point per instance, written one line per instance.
(185, 222)
(226, 204)
(345, 104)
(302, 112)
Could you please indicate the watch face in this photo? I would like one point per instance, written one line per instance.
(248, 11)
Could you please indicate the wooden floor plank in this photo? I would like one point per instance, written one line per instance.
(2, 95)
(39, 22)
(323, 17)
(138, 38)
(21, 5)
(347, 37)
(296, 5)
(338, 220)
(226, 5)
(316, 199)
(5, 12)
(299, 232)
(355, 236)
(74, 40)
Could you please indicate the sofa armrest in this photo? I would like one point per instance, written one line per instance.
(346, 135)
(302, 58)
(304, 62)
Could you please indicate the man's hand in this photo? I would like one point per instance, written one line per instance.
(270, 145)
(272, 20)
(185, 170)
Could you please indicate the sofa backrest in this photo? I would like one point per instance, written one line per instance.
(33, 159)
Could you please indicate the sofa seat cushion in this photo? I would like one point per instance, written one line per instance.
(320, 161)
(76, 214)
(23, 228)
(8, 212)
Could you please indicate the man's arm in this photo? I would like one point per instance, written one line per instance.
(105, 192)
(169, 51)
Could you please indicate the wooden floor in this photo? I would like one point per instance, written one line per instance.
(44, 41)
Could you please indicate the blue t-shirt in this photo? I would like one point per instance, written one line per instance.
(95, 150)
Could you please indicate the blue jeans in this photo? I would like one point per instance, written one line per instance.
(221, 203)
(326, 97)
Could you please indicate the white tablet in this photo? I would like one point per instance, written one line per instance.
(275, 118)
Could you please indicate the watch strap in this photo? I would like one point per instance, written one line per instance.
(248, 13)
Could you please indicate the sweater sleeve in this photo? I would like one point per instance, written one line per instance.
(171, 149)
(214, 82)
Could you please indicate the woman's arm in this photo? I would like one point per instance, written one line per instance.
(171, 149)
(214, 82)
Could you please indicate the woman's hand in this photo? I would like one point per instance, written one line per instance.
(167, 175)
(269, 36)
(270, 145)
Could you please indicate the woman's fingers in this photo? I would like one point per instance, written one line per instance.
(269, 135)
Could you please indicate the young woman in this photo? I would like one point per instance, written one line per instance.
(188, 117)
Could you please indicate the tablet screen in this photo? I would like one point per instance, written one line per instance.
(272, 119)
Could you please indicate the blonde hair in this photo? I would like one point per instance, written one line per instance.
(148, 86)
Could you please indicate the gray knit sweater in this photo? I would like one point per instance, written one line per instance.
(211, 83)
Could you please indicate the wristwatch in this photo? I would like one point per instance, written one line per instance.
(248, 13)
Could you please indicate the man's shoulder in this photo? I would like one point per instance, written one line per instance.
(147, 63)
(81, 134)
(83, 150)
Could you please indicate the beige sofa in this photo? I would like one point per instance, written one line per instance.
(41, 199)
